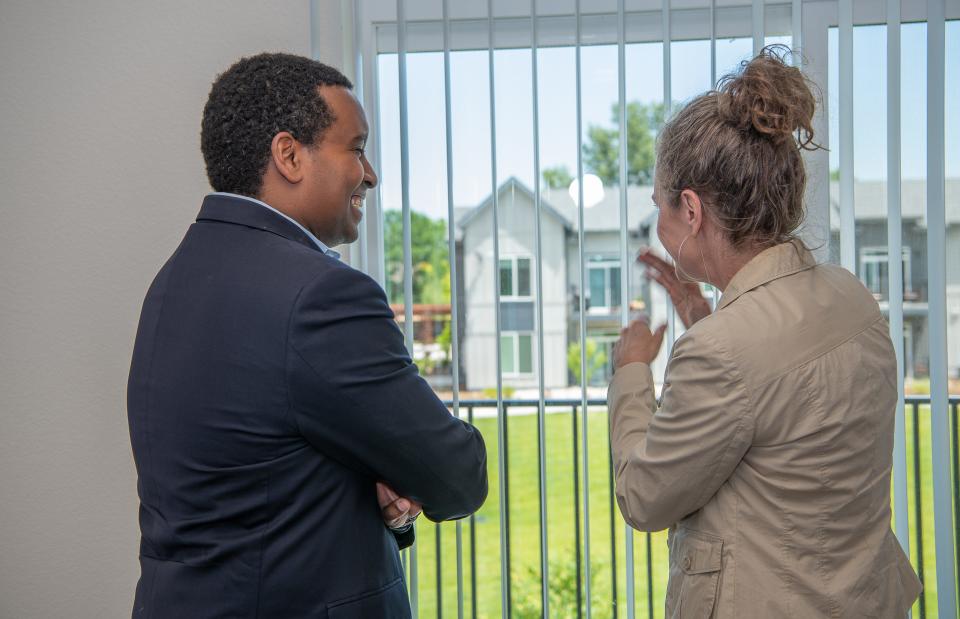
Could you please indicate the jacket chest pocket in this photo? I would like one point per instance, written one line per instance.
(695, 565)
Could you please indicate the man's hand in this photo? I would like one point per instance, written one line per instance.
(397, 511)
(637, 343)
(686, 296)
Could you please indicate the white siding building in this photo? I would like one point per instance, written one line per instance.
(561, 275)
(516, 276)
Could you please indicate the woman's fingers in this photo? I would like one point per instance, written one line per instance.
(649, 258)
(670, 284)
(658, 337)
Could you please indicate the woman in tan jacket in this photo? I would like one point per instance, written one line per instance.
(769, 453)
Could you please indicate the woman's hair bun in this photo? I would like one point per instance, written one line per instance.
(769, 96)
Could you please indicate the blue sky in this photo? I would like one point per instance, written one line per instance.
(870, 100)
(644, 82)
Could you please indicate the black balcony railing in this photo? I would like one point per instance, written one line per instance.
(916, 404)
(917, 427)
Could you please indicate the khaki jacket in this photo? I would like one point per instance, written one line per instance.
(769, 454)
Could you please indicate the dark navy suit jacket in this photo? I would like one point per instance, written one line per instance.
(269, 390)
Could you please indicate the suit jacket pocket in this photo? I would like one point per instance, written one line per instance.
(695, 565)
(389, 601)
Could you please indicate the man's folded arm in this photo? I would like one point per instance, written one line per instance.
(358, 398)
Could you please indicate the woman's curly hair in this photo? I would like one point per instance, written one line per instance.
(739, 147)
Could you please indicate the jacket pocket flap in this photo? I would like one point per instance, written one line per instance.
(387, 602)
(699, 553)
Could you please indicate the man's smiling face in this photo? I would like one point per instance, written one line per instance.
(337, 173)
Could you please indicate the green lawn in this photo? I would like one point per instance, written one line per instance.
(525, 530)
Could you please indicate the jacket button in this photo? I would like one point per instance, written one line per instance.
(686, 563)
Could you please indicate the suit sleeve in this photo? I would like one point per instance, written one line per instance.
(358, 398)
(670, 460)
(405, 538)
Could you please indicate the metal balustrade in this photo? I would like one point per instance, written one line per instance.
(917, 414)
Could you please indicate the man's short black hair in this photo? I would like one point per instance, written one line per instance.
(250, 103)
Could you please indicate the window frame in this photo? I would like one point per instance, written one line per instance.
(880, 255)
(607, 265)
(375, 19)
(515, 337)
(514, 260)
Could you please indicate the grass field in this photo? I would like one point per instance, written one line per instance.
(524, 530)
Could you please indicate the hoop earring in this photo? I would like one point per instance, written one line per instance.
(703, 261)
(676, 264)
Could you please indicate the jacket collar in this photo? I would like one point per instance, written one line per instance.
(235, 209)
(770, 264)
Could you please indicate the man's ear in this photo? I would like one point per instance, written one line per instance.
(692, 210)
(287, 155)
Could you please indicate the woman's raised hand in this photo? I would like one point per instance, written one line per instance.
(686, 296)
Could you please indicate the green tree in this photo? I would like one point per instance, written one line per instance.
(602, 151)
(558, 177)
(431, 265)
(596, 359)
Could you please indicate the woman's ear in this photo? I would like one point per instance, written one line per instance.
(692, 210)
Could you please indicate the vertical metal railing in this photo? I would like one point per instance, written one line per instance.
(955, 451)
(848, 247)
(454, 287)
(541, 379)
(714, 291)
(916, 404)
(649, 575)
(473, 545)
(583, 315)
(505, 592)
(918, 502)
(943, 410)
(917, 414)
(613, 535)
(796, 30)
(576, 510)
(671, 313)
(937, 302)
(667, 110)
(624, 294)
(757, 17)
(895, 269)
(713, 43)
(439, 567)
(407, 242)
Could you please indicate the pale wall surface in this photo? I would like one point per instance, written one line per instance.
(101, 174)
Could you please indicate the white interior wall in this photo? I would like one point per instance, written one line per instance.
(101, 173)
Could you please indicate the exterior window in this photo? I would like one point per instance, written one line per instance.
(604, 278)
(507, 358)
(506, 278)
(516, 353)
(515, 277)
(874, 270)
(523, 277)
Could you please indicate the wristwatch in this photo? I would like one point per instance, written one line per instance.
(406, 526)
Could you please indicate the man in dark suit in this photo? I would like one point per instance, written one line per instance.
(282, 436)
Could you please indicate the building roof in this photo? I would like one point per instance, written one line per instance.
(870, 200)
(467, 215)
(601, 217)
(870, 203)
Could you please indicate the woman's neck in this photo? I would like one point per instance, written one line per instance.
(729, 262)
